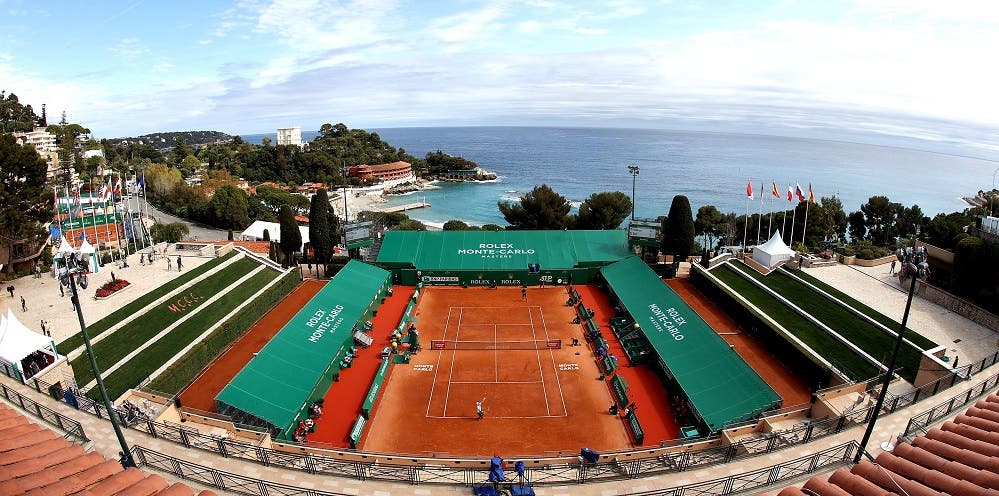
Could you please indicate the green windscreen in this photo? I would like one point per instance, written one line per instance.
(280, 381)
(721, 386)
(501, 250)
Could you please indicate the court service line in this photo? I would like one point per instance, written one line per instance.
(483, 325)
(496, 351)
(496, 382)
(451, 369)
(438, 366)
(500, 417)
(541, 370)
(558, 381)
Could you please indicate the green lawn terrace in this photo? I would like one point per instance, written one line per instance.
(828, 331)
(166, 325)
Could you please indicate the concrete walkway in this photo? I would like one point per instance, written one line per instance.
(43, 300)
(876, 288)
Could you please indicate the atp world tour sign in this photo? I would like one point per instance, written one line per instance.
(496, 250)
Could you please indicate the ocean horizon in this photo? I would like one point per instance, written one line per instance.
(710, 168)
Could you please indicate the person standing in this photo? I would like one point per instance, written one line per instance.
(478, 408)
(180, 264)
(24, 306)
(891, 270)
(169, 264)
(523, 294)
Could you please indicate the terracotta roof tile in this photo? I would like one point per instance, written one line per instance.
(36, 461)
(961, 457)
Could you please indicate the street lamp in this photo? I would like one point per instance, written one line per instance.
(914, 266)
(633, 169)
(77, 267)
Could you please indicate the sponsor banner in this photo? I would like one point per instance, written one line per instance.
(324, 322)
(89, 221)
(496, 250)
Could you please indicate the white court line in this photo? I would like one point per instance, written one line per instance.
(472, 325)
(451, 369)
(541, 371)
(552, 353)
(495, 382)
(438, 366)
(496, 352)
(500, 417)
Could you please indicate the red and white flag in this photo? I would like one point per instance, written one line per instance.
(749, 190)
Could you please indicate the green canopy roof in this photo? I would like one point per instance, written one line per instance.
(721, 386)
(501, 250)
(276, 385)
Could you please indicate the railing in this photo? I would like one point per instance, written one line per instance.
(764, 477)
(217, 479)
(920, 422)
(558, 470)
(961, 373)
(72, 428)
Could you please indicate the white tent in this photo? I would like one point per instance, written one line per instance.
(773, 252)
(256, 232)
(17, 341)
(65, 247)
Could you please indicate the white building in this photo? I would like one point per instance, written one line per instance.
(289, 136)
(43, 140)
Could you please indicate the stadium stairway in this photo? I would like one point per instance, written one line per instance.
(348, 393)
(646, 388)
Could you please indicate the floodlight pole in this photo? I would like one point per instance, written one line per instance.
(112, 414)
(911, 261)
(633, 169)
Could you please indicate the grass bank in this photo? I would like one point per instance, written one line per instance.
(860, 332)
(134, 334)
(75, 341)
(183, 371)
(148, 360)
(817, 339)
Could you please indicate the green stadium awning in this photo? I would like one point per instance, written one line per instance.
(279, 382)
(721, 386)
(501, 250)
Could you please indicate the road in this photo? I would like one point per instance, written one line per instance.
(198, 231)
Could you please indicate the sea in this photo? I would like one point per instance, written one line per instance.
(710, 168)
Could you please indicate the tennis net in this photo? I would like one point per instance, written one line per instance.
(536, 344)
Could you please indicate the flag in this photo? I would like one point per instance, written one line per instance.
(776, 193)
(790, 193)
(749, 190)
(55, 198)
(117, 186)
(811, 196)
(761, 191)
(797, 192)
(76, 196)
(142, 180)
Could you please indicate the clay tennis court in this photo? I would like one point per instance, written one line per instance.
(535, 400)
(791, 388)
(201, 393)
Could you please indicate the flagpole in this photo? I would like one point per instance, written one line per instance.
(745, 227)
(145, 203)
(794, 212)
(93, 211)
(770, 226)
(107, 231)
(115, 219)
(805, 227)
(759, 222)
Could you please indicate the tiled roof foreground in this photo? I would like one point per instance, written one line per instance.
(960, 458)
(36, 461)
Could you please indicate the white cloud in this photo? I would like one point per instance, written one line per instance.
(129, 48)
(467, 26)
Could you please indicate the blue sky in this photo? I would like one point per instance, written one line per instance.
(913, 68)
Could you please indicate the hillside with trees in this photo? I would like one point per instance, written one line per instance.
(166, 140)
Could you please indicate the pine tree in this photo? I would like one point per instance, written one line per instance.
(678, 229)
(319, 227)
(291, 237)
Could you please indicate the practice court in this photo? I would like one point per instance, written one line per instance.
(496, 349)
